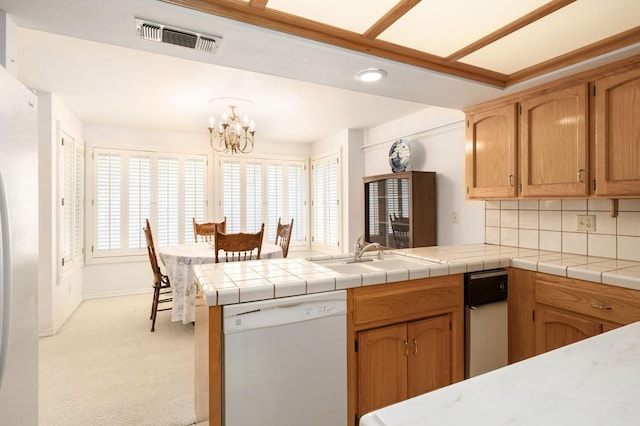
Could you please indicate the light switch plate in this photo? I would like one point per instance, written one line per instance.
(585, 222)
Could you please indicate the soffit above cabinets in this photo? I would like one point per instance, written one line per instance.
(498, 42)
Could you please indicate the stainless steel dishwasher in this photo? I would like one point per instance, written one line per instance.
(285, 361)
(486, 321)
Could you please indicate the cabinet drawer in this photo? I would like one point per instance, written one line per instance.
(616, 304)
(406, 300)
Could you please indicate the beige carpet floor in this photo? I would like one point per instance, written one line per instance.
(105, 367)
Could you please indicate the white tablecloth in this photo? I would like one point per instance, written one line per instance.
(179, 260)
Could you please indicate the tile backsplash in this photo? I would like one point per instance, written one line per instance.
(551, 225)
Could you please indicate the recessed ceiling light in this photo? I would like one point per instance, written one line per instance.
(370, 75)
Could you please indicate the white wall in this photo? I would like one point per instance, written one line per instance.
(110, 278)
(436, 137)
(58, 295)
(347, 144)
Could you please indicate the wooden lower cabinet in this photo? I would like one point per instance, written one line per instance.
(555, 329)
(402, 361)
(404, 339)
(569, 310)
(548, 311)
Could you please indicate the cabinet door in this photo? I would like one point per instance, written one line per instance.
(429, 361)
(521, 307)
(553, 130)
(555, 329)
(618, 134)
(382, 367)
(491, 153)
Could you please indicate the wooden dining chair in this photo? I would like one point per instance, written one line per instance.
(203, 232)
(400, 228)
(161, 285)
(239, 246)
(283, 236)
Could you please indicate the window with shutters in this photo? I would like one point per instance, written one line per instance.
(71, 202)
(261, 190)
(132, 186)
(325, 201)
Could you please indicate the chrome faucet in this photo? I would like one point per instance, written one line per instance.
(359, 250)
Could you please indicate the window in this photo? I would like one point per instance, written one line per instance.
(259, 190)
(132, 186)
(72, 202)
(325, 201)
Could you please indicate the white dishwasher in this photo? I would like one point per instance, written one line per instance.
(285, 361)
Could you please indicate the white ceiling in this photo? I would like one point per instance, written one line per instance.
(86, 52)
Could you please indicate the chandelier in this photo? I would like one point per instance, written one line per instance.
(231, 134)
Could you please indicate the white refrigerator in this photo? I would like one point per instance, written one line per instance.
(19, 251)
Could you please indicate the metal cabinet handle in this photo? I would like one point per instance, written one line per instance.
(603, 307)
(406, 347)
(510, 180)
(415, 346)
(580, 172)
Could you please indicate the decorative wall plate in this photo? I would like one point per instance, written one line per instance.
(400, 156)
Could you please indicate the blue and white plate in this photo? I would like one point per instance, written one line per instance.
(400, 156)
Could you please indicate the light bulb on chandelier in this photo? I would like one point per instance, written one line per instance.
(232, 135)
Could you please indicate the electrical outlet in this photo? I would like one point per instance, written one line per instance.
(454, 217)
(585, 222)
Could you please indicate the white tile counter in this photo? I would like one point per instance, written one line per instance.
(592, 382)
(229, 283)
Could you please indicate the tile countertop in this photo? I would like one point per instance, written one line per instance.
(592, 382)
(238, 282)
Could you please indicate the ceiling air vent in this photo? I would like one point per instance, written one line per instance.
(165, 34)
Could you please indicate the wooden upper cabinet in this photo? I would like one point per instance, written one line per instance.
(554, 143)
(491, 153)
(618, 134)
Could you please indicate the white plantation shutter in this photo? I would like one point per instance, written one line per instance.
(139, 198)
(72, 202)
(325, 201)
(78, 201)
(295, 199)
(108, 197)
(275, 199)
(231, 195)
(194, 193)
(132, 186)
(319, 201)
(253, 190)
(332, 203)
(67, 199)
(256, 191)
(167, 223)
(374, 211)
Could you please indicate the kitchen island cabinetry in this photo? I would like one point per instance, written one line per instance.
(491, 153)
(402, 361)
(618, 134)
(569, 310)
(400, 209)
(553, 132)
(407, 340)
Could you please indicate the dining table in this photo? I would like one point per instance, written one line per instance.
(179, 260)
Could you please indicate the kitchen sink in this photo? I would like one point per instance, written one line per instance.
(344, 267)
(390, 262)
(399, 262)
